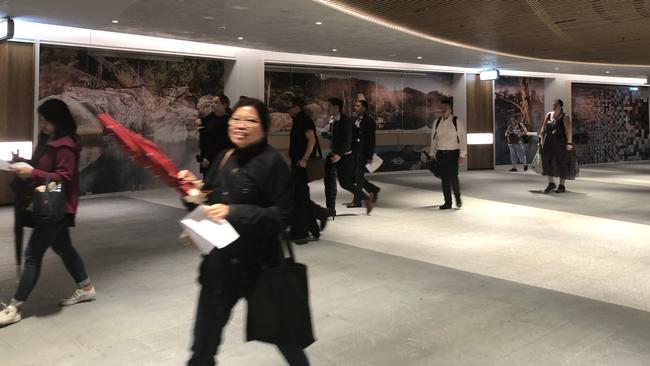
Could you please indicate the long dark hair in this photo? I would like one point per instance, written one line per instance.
(56, 112)
(261, 109)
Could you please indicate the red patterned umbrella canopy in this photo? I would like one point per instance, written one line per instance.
(144, 152)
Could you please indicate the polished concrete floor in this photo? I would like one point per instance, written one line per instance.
(513, 278)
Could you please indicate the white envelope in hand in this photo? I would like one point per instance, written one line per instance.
(376, 163)
(207, 234)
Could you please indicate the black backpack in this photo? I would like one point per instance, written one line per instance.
(454, 121)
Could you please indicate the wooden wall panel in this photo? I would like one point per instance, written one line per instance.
(480, 119)
(16, 100)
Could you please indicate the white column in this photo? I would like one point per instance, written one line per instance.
(245, 76)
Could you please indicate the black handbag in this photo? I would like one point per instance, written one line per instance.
(316, 165)
(49, 206)
(278, 303)
(432, 165)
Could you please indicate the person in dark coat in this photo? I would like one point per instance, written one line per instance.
(557, 142)
(213, 132)
(250, 187)
(340, 161)
(363, 149)
(58, 163)
(303, 145)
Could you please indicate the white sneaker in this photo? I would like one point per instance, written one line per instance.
(79, 295)
(9, 315)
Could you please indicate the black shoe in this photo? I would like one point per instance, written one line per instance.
(301, 240)
(375, 195)
(353, 204)
(446, 206)
(513, 169)
(550, 188)
(331, 213)
(322, 218)
(459, 202)
(560, 189)
(369, 203)
(525, 168)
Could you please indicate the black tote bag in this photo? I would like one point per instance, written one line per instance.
(432, 165)
(316, 165)
(278, 304)
(48, 206)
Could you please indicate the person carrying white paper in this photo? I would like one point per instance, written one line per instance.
(251, 188)
(363, 148)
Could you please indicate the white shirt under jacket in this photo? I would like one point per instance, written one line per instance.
(447, 137)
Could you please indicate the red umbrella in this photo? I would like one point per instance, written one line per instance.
(145, 153)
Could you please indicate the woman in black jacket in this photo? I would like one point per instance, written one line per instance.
(250, 188)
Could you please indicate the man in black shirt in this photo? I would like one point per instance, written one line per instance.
(363, 149)
(340, 161)
(303, 145)
(213, 132)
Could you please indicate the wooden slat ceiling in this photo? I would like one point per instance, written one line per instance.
(597, 31)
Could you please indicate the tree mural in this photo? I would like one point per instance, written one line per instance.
(520, 100)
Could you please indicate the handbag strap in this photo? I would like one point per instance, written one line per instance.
(285, 242)
(318, 150)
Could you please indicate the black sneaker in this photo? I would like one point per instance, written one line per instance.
(459, 202)
(560, 189)
(525, 168)
(513, 169)
(550, 188)
(446, 206)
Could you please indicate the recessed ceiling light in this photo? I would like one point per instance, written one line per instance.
(115, 21)
(319, 23)
(556, 68)
(222, 28)
(334, 50)
(392, 55)
(240, 38)
(207, 17)
(419, 57)
(606, 72)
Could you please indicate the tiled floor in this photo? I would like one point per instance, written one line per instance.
(513, 278)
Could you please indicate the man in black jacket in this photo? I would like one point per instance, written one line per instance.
(213, 132)
(340, 161)
(303, 145)
(363, 149)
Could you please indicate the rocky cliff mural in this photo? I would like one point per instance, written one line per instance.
(397, 102)
(158, 99)
(520, 97)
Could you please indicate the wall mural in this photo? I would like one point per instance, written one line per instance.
(523, 98)
(397, 101)
(610, 123)
(157, 98)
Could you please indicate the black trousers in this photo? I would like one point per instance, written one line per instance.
(360, 179)
(222, 286)
(45, 235)
(448, 166)
(344, 169)
(305, 211)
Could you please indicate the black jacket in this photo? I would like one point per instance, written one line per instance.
(364, 138)
(213, 136)
(255, 183)
(342, 136)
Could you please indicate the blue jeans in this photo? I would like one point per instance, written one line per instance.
(56, 235)
(517, 153)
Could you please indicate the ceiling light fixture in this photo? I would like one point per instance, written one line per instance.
(556, 68)
(115, 21)
(240, 38)
(222, 28)
(334, 50)
(489, 74)
(606, 72)
(319, 23)
(634, 88)
(419, 57)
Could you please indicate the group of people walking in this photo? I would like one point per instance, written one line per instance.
(250, 185)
